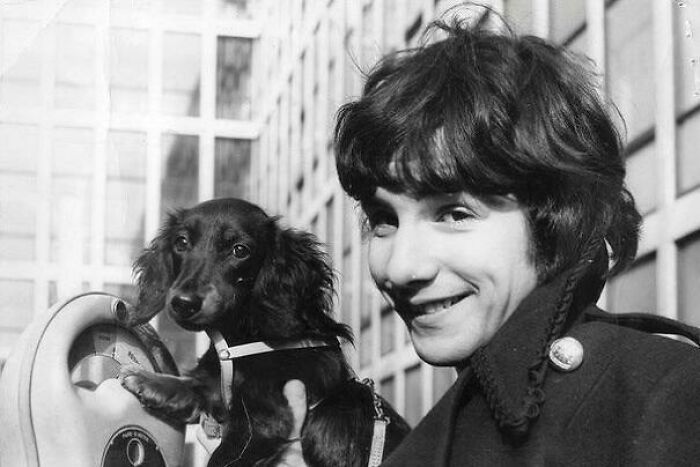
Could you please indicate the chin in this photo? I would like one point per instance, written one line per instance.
(437, 352)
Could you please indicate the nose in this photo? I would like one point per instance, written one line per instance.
(410, 261)
(185, 305)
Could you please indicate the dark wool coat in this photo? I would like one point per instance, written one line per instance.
(635, 399)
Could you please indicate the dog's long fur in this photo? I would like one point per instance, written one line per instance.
(225, 265)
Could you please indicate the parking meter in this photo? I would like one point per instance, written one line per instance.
(60, 400)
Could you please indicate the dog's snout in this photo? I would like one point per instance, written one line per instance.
(186, 305)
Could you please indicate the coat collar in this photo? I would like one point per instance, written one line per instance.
(511, 351)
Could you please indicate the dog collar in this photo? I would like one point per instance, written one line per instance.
(228, 354)
(256, 348)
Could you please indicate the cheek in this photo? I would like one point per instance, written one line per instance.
(377, 258)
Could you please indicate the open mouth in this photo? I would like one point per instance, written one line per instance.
(432, 307)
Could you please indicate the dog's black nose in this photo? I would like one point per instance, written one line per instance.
(186, 305)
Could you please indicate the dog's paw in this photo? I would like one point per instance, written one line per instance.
(142, 383)
(167, 396)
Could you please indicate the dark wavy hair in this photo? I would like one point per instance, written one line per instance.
(493, 113)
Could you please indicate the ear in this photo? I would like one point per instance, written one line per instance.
(297, 276)
(154, 273)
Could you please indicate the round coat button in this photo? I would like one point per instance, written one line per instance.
(566, 354)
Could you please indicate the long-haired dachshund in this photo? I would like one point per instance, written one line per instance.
(226, 268)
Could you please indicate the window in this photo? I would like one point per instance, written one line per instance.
(443, 378)
(330, 229)
(75, 67)
(641, 178)
(365, 344)
(65, 288)
(19, 196)
(387, 389)
(387, 330)
(688, 168)
(125, 197)
(235, 8)
(127, 292)
(348, 287)
(179, 187)
(566, 19)
(687, 60)
(630, 70)
(233, 85)
(128, 76)
(17, 304)
(181, 63)
(634, 291)
(71, 195)
(413, 410)
(16, 311)
(20, 82)
(689, 279)
(232, 168)
(519, 14)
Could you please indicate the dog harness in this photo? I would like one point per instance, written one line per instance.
(228, 354)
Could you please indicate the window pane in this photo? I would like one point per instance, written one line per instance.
(75, 67)
(126, 197)
(235, 8)
(180, 171)
(232, 172)
(18, 201)
(387, 389)
(181, 64)
(579, 44)
(348, 288)
(413, 411)
(182, 344)
(127, 292)
(20, 58)
(65, 288)
(19, 147)
(630, 71)
(391, 27)
(443, 377)
(635, 290)
(19, 195)
(388, 331)
(183, 7)
(687, 60)
(519, 13)
(330, 229)
(71, 195)
(566, 17)
(688, 157)
(641, 178)
(128, 86)
(365, 346)
(689, 279)
(17, 304)
(233, 68)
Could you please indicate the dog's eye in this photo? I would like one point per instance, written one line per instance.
(181, 243)
(241, 251)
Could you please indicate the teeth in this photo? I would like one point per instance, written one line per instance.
(439, 306)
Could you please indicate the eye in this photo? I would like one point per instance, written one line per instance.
(455, 214)
(381, 222)
(240, 251)
(181, 243)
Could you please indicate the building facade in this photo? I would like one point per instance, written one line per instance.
(111, 114)
(312, 58)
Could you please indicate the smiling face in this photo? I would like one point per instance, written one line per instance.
(453, 266)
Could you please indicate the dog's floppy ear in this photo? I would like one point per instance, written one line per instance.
(296, 276)
(154, 273)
